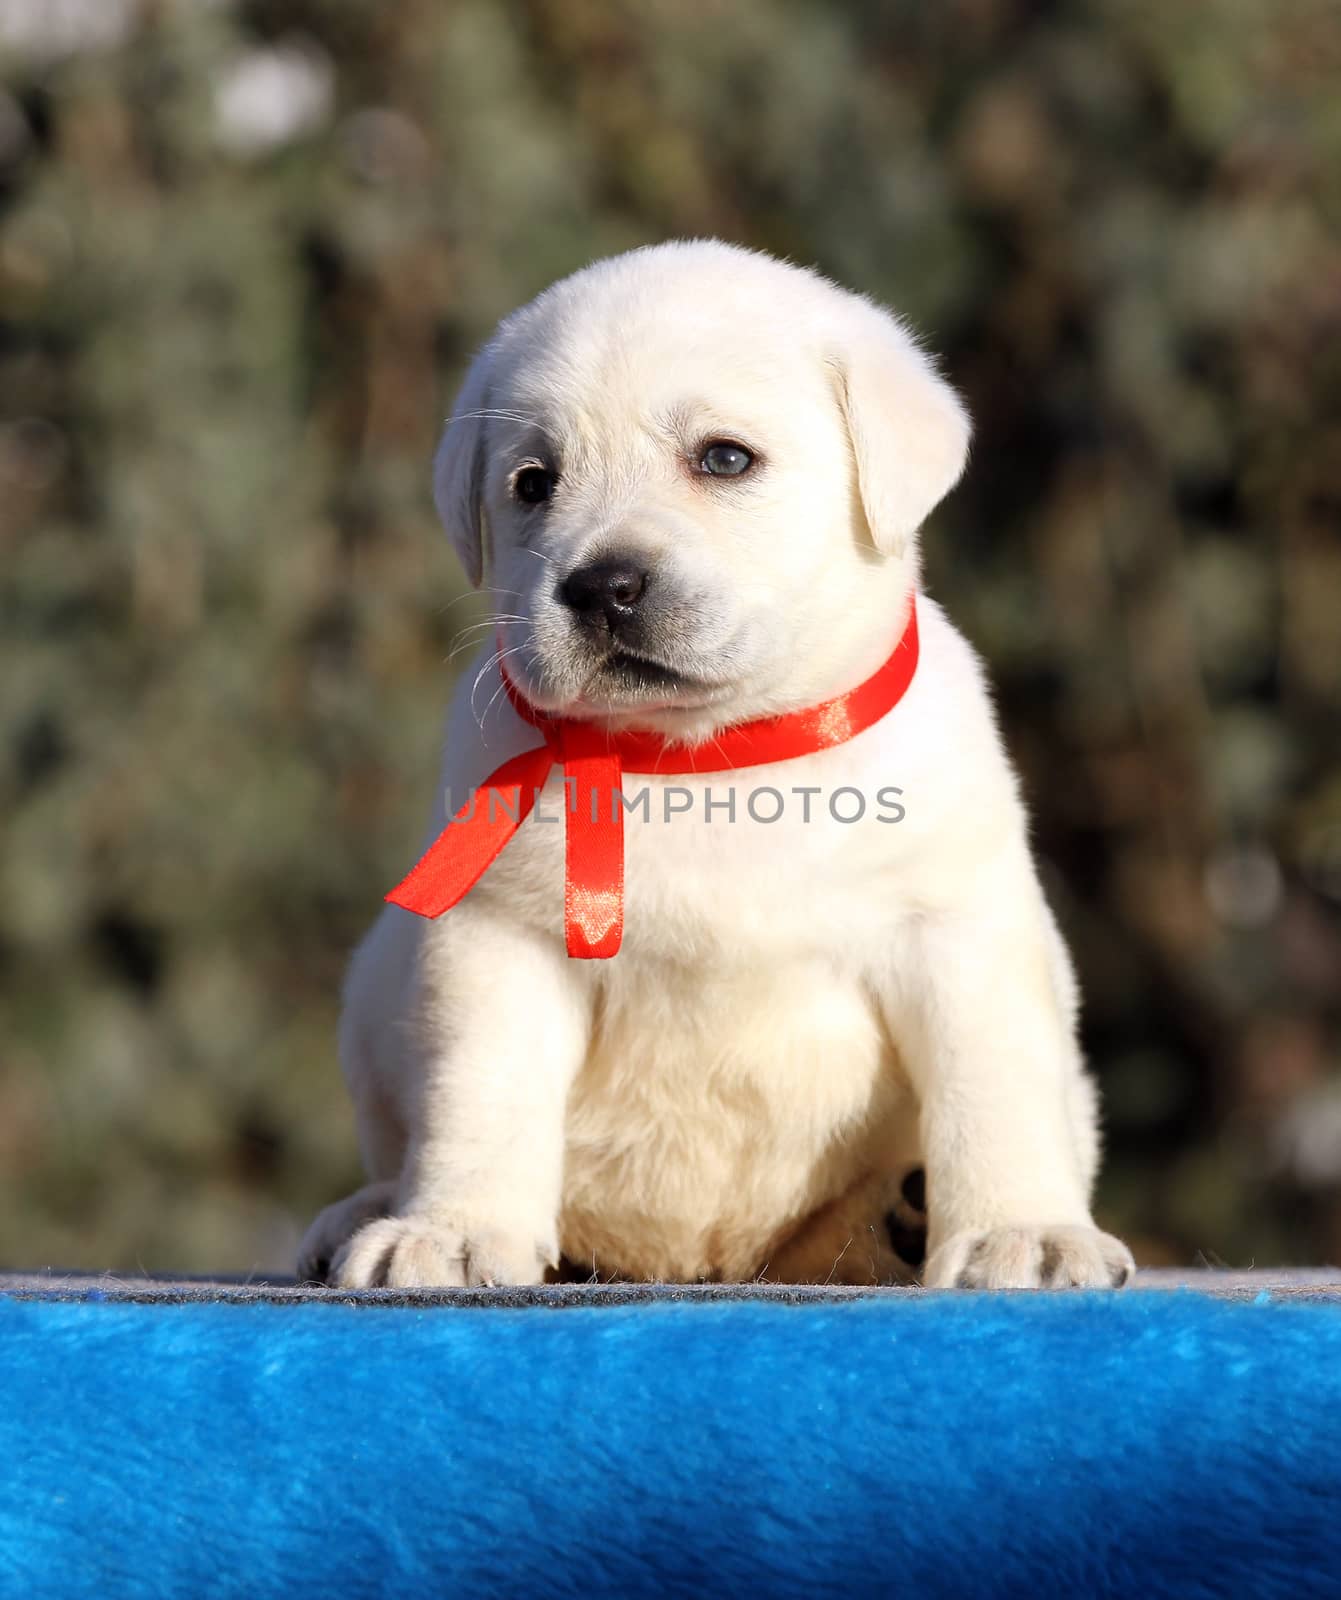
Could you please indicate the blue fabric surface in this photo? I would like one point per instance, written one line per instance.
(1137, 1444)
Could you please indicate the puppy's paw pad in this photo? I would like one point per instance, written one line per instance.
(418, 1253)
(1031, 1257)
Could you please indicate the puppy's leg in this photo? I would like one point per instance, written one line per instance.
(987, 1034)
(501, 1023)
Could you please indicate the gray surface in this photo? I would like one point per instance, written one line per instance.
(1314, 1283)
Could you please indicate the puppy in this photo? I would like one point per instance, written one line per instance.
(692, 479)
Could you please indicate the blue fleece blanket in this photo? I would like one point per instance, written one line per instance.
(1085, 1445)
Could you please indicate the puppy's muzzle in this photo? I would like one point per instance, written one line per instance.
(606, 596)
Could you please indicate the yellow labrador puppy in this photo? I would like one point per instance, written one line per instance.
(692, 478)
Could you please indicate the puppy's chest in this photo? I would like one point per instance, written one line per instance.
(718, 864)
(789, 886)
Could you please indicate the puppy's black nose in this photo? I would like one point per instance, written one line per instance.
(605, 589)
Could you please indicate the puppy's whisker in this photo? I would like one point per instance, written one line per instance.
(473, 632)
(493, 621)
(502, 685)
(489, 664)
(494, 414)
(495, 660)
(716, 742)
(486, 623)
(457, 600)
(459, 648)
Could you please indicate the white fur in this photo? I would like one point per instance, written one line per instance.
(803, 1011)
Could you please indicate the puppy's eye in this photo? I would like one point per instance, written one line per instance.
(534, 485)
(723, 459)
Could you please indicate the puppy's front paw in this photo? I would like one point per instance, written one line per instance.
(335, 1224)
(423, 1253)
(1032, 1257)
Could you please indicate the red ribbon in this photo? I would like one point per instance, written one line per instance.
(594, 761)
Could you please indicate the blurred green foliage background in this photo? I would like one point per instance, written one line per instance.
(245, 251)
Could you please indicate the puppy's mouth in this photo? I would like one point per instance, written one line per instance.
(628, 678)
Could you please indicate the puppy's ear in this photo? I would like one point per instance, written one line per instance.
(908, 427)
(458, 469)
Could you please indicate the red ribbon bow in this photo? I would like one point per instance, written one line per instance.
(594, 762)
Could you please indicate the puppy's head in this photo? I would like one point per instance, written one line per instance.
(692, 477)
